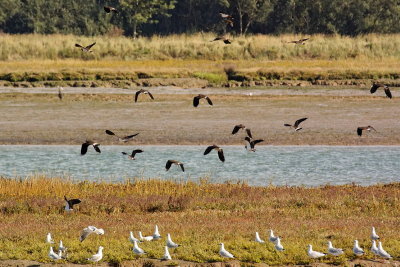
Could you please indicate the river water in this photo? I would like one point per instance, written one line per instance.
(277, 165)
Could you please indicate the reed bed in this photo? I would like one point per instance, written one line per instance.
(199, 215)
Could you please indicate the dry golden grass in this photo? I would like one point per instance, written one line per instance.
(198, 216)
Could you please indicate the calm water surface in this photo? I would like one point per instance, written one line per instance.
(286, 165)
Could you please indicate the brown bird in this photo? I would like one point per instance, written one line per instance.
(218, 149)
(85, 48)
(196, 100)
(241, 126)
(134, 152)
(60, 94)
(250, 143)
(170, 162)
(108, 9)
(366, 128)
(222, 38)
(122, 139)
(225, 16)
(375, 87)
(296, 124)
(300, 42)
(88, 143)
(143, 91)
(229, 22)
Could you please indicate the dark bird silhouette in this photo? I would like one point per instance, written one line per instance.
(69, 206)
(218, 149)
(250, 143)
(296, 124)
(222, 38)
(375, 87)
(365, 128)
(88, 143)
(196, 100)
(299, 42)
(122, 139)
(108, 9)
(60, 94)
(241, 126)
(85, 48)
(170, 162)
(143, 91)
(134, 152)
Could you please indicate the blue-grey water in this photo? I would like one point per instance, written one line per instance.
(277, 165)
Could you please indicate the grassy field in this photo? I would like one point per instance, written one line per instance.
(171, 118)
(198, 216)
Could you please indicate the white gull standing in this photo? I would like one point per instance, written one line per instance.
(258, 239)
(145, 238)
(374, 236)
(132, 238)
(357, 250)
(382, 253)
(278, 245)
(166, 256)
(224, 253)
(314, 254)
(136, 249)
(156, 234)
(334, 251)
(49, 239)
(374, 248)
(272, 237)
(98, 256)
(53, 255)
(170, 243)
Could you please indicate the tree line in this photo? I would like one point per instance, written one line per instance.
(148, 17)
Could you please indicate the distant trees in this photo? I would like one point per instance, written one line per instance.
(146, 17)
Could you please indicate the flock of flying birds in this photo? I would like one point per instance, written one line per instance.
(276, 240)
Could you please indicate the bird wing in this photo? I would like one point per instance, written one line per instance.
(107, 9)
(137, 95)
(124, 153)
(85, 233)
(151, 96)
(208, 149)
(374, 87)
(221, 155)
(73, 202)
(372, 128)
(97, 148)
(109, 132)
(248, 131)
(289, 125)
(130, 136)
(226, 41)
(236, 129)
(90, 46)
(297, 123)
(84, 148)
(303, 40)
(257, 141)
(195, 101)
(359, 131)
(168, 165)
(387, 92)
(136, 151)
(78, 45)
(183, 169)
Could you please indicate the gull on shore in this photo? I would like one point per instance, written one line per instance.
(374, 236)
(224, 253)
(357, 250)
(53, 255)
(156, 234)
(132, 238)
(334, 251)
(136, 249)
(278, 245)
(258, 239)
(272, 237)
(49, 239)
(89, 230)
(166, 256)
(170, 243)
(374, 248)
(61, 247)
(314, 254)
(98, 256)
(145, 238)
(382, 253)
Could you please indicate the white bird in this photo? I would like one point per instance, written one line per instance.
(53, 255)
(89, 230)
(166, 256)
(61, 247)
(382, 252)
(258, 239)
(145, 238)
(334, 251)
(374, 236)
(170, 243)
(156, 234)
(132, 238)
(97, 257)
(278, 245)
(136, 249)
(357, 250)
(374, 248)
(272, 237)
(49, 239)
(314, 254)
(224, 253)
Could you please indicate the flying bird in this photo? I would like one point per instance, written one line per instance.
(334, 251)
(170, 243)
(170, 162)
(224, 253)
(89, 230)
(225, 16)
(375, 87)
(314, 254)
(122, 139)
(60, 94)
(97, 257)
(88, 143)
(365, 128)
(143, 91)
(222, 38)
(85, 48)
(134, 152)
(299, 42)
(241, 126)
(109, 9)
(296, 124)
(196, 100)
(69, 205)
(250, 143)
(218, 149)
(357, 250)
